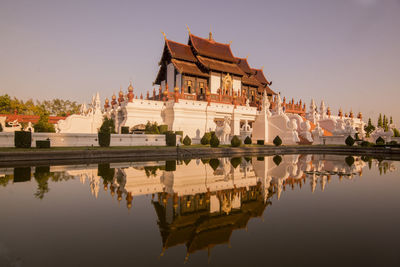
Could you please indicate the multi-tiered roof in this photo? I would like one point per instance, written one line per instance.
(201, 56)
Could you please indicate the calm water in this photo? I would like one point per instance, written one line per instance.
(320, 210)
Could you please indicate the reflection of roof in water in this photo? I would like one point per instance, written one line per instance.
(201, 229)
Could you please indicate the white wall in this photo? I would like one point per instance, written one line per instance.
(215, 83)
(237, 85)
(75, 139)
(179, 81)
(171, 77)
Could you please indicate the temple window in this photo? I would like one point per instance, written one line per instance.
(189, 87)
(201, 88)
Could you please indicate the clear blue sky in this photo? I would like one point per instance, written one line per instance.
(346, 52)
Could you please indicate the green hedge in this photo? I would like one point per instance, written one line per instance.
(170, 138)
(42, 143)
(214, 163)
(247, 140)
(277, 160)
(22, 139)
(170, 165)
(277, 141)
(236, 142)
(349, 160)
(349, 141)
(104, 170)
(125, 130)
(104, 139)
(22, 174)
(260, 142)
(236, 162)
(187, 141)
(214, 142)
(205, 140)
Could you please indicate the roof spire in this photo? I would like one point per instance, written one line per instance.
(188, 28)
(163, 33)
(210, 38)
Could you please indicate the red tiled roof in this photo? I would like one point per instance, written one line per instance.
(218, 65)
(188, 68)
(212, 49)
(269, 90)
(30, 118)
(260, 76)
(180, 51)
(244, 65)
(251, 80)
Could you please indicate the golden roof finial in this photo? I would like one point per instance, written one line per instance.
(163, 33)
(230, 42)
(247, 57)
(187, 27)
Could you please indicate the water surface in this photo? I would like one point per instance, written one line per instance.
(314, 210)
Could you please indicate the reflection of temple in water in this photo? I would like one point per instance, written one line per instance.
(199, 203)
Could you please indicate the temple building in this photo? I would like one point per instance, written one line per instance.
(205, 63)
(202, 88)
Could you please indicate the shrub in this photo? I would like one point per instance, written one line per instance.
(170, 138)
(205, 140)
(247, 140)
(214, 142)
(22, 139)
(260, 142)
(214, 163)
(43, 143)
(277, 141)
(393, 143)
(236, 142)
(205, 161)
(357, 137)
(104, 139)
(170, 165)
(187, 141)
(151, 128)
(236, 162)
(125, 130)
(349, 141)
(277, 160)
(380, 141)
(163, 128)
(1, 128)
(22, 174)
(349, 160)
(366, 144)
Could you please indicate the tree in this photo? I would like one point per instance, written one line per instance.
(151, 128)
(43, 125)
(108, 126)
(369, 128)
(391, 120)
(380, 122)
